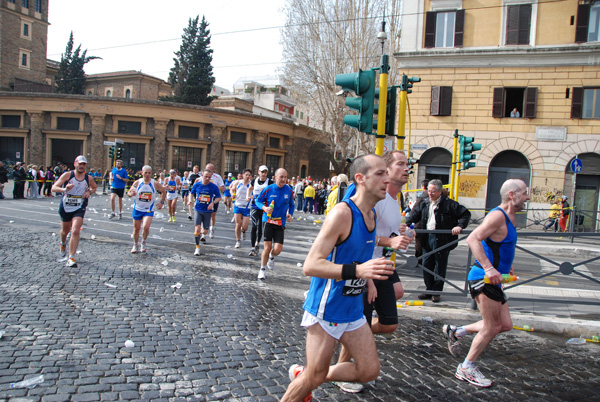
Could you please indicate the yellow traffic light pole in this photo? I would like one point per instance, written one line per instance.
(383, 86)
(402, 120)
(453, 174)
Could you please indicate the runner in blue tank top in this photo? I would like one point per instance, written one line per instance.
(277, 203)
(340, 261)
(493, 244)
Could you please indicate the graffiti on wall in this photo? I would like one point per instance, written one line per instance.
(470, 186)
(544, 194)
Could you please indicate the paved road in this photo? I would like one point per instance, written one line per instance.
(222, 335)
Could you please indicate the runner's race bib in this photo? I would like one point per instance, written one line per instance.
(145, 196)
(354, 287)
(73, 200)
(275, 221)
(203, 199)
(171, 189)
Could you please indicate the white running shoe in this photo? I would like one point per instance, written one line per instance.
(71, 263)
(135, 249)
(238, 244)
(120, 215)
(449, 332)
(203, 239)
(143, 248)
(472, 375)
(112, 215)
(197, 251)
(211, 232)
(262, 273)
(271, 263)
(351, 387)
(63, 250)
(233, 219)
(243, 235)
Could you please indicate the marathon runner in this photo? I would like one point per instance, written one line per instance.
(76, 186)
(172, 184)
(256, 214)
(241, 207)
(205, 195)
(118, 177)
(144, 190)
(277, 203)
(218, 180)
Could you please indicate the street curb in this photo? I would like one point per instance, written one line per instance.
(553, 325)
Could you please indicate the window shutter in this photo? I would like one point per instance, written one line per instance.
(524, 23)
(577, 103)
(435, 101)
(459, 28)
(445, 101)
(530, 103)
(498, 103)
(430, 19)
(583, 20)
(512, 25)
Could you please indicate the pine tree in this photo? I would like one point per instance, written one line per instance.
(191, 77)
(70, 78)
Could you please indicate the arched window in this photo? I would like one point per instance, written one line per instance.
(128, 93)
(108, 93)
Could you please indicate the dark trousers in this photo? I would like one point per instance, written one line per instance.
(299, 198)
(19, 190)
(257, 226)
(308, 204)
(437, 262)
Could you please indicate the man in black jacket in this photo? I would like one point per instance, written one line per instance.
(19, 177)
(438, 213)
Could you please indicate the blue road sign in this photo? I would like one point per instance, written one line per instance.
(576, 165)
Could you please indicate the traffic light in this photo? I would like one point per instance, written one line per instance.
(119, 152)
(411, 164)
(363, 84)
(467, 147)
(111, 152)
(407, 83)
(390, 110)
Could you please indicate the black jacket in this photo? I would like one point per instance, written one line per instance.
(3, 174)
(448, 214)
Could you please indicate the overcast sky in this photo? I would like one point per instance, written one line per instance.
(153, 30)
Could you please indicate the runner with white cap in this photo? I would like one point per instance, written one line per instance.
(256, 214)
(76, 186)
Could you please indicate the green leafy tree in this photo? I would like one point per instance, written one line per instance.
(70, 78)
(192, 77)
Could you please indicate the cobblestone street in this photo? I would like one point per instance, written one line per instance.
(221, 335)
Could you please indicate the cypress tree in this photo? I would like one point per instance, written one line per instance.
(191, 77)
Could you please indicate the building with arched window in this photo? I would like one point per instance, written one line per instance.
(522, 78)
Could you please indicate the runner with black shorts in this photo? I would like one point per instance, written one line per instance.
(76, 186)
(281, 196)
(256, 214)
(493, 243)
(118, 177)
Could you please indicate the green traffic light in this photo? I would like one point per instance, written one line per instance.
(467, 146)
(363, 84)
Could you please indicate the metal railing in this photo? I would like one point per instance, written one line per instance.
(565, 268)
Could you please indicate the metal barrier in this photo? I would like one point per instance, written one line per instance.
(564, 268)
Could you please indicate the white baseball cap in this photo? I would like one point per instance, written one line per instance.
(81, 159)
(263, 167)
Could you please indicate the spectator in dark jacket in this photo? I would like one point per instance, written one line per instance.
(19, 176)
(438, 212)
(419, 237)
(3, 179)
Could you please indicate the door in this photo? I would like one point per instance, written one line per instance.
(586, 202)
(65, 151)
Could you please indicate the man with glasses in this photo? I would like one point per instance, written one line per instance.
(438, 213)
